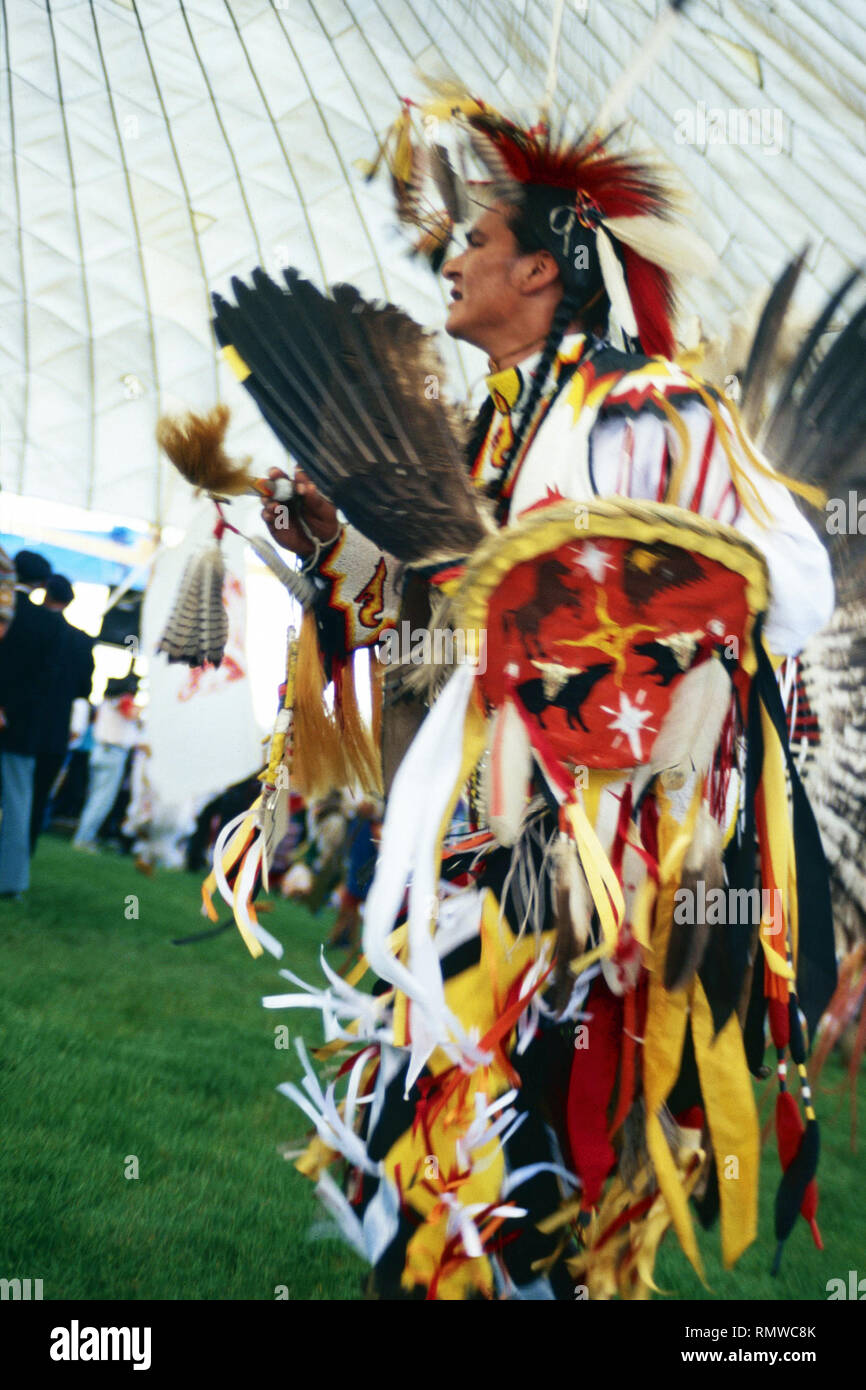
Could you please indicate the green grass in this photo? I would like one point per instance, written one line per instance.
(118, 1043)
(805, 1270)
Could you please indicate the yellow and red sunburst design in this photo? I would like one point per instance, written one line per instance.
(592, 613)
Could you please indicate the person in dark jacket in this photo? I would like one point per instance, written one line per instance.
(27, 655)
(7, 592)
(71, 680)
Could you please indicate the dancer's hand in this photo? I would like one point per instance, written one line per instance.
(283, 519)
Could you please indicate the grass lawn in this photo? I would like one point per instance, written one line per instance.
(119, 1044)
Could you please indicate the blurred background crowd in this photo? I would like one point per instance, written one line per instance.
(77, 766)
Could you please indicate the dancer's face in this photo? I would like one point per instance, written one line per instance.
(499, 295)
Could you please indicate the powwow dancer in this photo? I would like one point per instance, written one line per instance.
(557, 1056)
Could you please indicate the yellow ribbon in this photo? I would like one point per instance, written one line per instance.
(732, 1117)
(665, 1031)
(603, 884)
(779, 847)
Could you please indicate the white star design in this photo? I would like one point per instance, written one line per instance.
(594, 560)
(629, 720)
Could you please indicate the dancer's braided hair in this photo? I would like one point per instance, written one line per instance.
(478, 433)
(565, 312)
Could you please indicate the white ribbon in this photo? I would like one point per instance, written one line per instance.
(482, 1132)
(321, 1108)
(340, 1002)
(522, 1175)
(461, 1221)
(417, 804)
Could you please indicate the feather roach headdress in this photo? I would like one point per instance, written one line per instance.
(607, 218)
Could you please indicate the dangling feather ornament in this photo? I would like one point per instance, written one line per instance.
(198, 628)
(687, 943)
(692, 727)
(507, 774)
(798, 1142)
(572, 913)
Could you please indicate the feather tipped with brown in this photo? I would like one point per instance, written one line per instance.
(196, 446)
(572, 912)
(702, 866)
(451, 188)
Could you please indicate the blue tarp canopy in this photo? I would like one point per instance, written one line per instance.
(81, 566)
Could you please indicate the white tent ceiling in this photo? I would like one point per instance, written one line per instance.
(151, 148)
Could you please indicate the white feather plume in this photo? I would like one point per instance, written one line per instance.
(616, 102)
(670, 245)
(692, 727)
(614, 283)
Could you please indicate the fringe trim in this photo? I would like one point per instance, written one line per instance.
(317, 764)
(362, 762)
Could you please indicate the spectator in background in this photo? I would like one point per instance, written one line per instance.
(7, 592)
(70, 680)
(71, 793)
(360, 853)
(115, 731)
(27, 654)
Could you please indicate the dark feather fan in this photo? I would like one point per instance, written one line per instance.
(352, 390)
(815, 430)
(762, 355)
